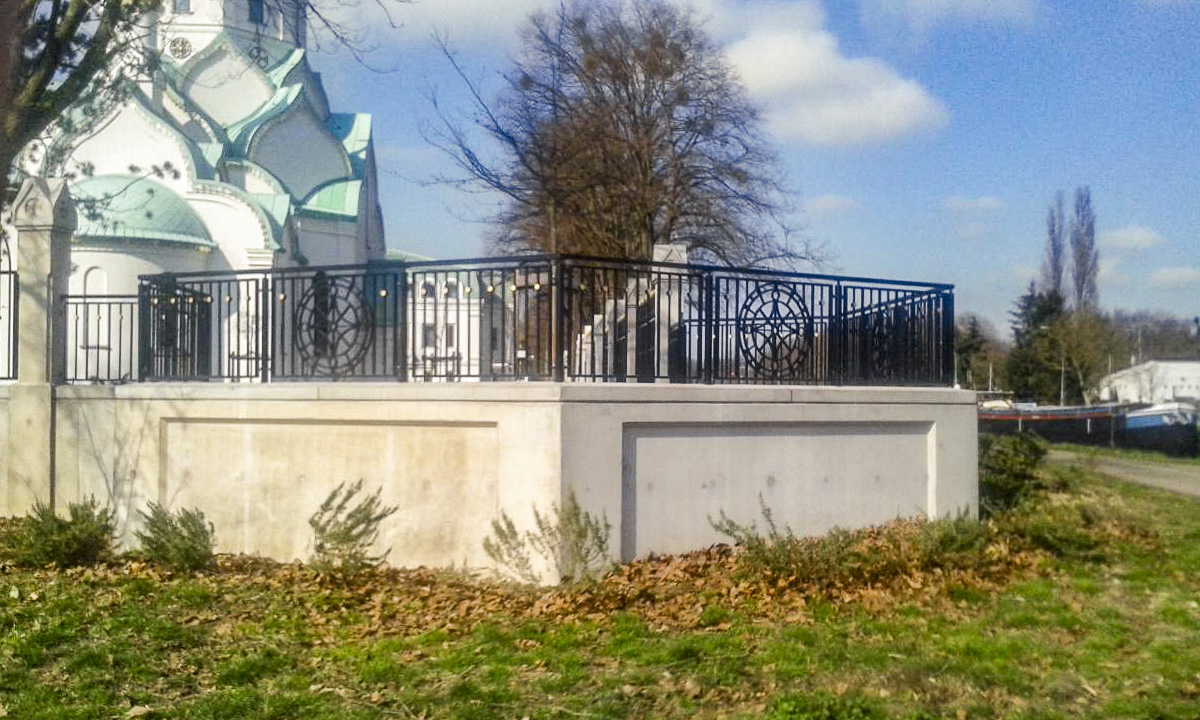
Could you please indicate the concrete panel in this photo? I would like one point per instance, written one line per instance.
(813, 476)
(274, 474)
(28, 479)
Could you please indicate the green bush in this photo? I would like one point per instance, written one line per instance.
(343, 533)
(85, 537)
(957, 541)
(572, 541)
(844, 557)
(1009, 469)
(181, 541)
(1066, 528)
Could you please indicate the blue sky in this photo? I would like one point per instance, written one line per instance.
(926, 137)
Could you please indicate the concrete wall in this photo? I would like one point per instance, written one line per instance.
(657, 460)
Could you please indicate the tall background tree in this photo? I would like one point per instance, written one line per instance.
(621, 126)
(1085, 257)
(1055, 263)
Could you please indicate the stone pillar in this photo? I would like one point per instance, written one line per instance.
(44, 217)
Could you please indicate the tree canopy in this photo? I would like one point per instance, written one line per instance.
(621, 126)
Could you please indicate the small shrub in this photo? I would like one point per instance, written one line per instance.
(508, 548)
(181, 541)
(572, 541)
(780, 554)
(85, 537)
(343, 533)
(1009, 469)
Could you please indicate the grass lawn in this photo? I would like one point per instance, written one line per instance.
(1113, 631)
(1147, 456)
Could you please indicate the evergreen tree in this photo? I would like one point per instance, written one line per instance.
(1033, 367)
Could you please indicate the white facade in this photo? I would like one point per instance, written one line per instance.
(1155, 381)
(226, 157)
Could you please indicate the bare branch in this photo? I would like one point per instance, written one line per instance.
(619, 127)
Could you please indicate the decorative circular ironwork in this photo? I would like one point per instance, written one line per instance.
(180, 47)
(775, 330)
(334, 325)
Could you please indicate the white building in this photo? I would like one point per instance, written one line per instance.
(1155, 381)
(225, 157)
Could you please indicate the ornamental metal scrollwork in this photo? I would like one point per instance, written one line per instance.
(775, 330)
(334, 325)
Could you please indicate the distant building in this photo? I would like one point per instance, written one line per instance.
(1155, 381)
(225, 157)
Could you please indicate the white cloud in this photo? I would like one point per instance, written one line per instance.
(981, 204)
(1132, 237)
(815, 94)
(831, 205)
(1176, 278)
(920, 16)
(1110, 274)
(791, 65)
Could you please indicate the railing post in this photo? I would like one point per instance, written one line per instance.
(402, 323)
(556, 319)
(947, 338)
(145, 322)
(708, 325)
(840, 342)
(265, 334)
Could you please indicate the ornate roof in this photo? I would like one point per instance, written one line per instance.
(124, 207)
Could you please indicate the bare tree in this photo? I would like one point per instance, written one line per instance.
(1055, 263)
(1085, 257)
(621, 126)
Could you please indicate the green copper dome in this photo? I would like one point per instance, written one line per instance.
(122, 207)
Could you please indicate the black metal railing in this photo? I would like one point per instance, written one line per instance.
(544, 318)
(9, 307)
(102, 338)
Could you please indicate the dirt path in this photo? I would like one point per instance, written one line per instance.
(1183, 479)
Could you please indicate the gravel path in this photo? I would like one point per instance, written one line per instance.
(1179, 478)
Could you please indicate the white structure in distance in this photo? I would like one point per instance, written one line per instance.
(1154, 381)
